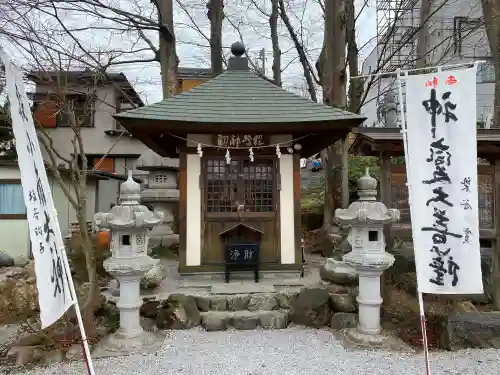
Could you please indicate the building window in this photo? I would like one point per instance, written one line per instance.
(486, 73)
(245, 184)
(122, 106)
(82, 106)
(12, 200)
(106, 165)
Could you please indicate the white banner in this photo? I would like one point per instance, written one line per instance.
(442, 178)
(47, 244)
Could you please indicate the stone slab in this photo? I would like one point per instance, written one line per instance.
(244, 320)
(111, 346)
(242, 288)
(470, 330)
(352, 339)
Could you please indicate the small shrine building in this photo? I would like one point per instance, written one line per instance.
(386, 143)
(239, 139)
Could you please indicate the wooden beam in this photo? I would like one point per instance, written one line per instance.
(386, 191)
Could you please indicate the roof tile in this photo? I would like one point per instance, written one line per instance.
(238, 96)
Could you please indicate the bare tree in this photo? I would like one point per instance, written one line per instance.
(356, 85)
(167, 54)
(307, 67)
(273, 25)
(215, 14)
(491, 14)
(332, 74)
(50, 66)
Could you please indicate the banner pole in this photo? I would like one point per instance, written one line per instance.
(437, 67)
(423, 325)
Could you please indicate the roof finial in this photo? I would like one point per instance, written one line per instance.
(238, 49)
(238, 61)
(367, 187)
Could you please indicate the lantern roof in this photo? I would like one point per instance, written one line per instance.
(366, 210)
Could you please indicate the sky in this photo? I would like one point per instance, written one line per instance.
(244, 22)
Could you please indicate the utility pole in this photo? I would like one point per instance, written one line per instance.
(262, 57)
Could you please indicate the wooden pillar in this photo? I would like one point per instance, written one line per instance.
(345, 172)
(495, 271)
(182, 210)
(386, 191)
(296, 209)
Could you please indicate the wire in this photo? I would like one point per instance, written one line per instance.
(107, 153)
(239, 148)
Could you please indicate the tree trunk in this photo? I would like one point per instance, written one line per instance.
(168, 56)
(332, 77)
(89, 306)
(491, 12)
(273, 24)
(356, 86)
(215, 14)
(300, 51)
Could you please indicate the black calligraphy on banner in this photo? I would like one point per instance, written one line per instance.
(435, 108)
(22, 110)
(47, 228)
(466, 184)
(30, 146)
(440, 158)
(39, 187)
(57, 278)
(44, 229)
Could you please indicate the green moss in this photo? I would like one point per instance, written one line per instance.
(164, 252)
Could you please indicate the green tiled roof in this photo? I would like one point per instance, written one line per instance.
(238, 96)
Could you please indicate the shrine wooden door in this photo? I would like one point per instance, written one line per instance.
(240, 192)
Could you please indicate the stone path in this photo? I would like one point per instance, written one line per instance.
(293, 351)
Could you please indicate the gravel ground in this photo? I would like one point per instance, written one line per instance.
(281, 352)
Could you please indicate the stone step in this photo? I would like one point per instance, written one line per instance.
(244, 320)
(242, 288)
(250, 302)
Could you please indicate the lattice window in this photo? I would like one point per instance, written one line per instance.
(161, 178)
(485, 198)
(259, 185)
(250, 184)
(399, 194)
(222, 185)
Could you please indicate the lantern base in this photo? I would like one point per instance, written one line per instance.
(119, 344)
(352, 338)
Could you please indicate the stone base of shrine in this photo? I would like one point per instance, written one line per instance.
(240, 275)
(119, 344)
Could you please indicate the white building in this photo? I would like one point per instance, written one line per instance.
(456, 35)
(95, 101)
(108, 147)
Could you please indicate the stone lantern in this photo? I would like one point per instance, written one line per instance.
(129, 222)
(366, 218)
(162, 193)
